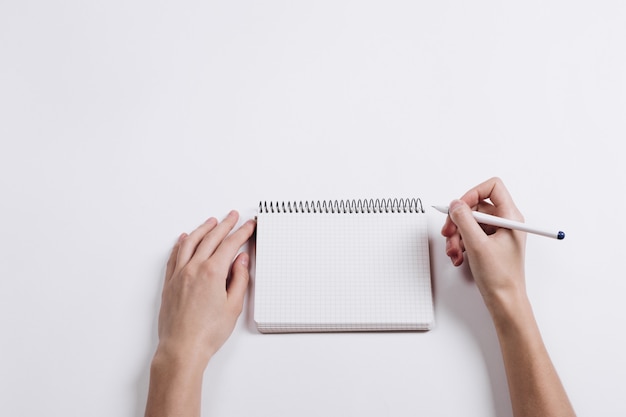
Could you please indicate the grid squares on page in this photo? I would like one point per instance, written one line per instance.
(337, 271)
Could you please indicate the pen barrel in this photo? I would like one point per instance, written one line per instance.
(488, 219)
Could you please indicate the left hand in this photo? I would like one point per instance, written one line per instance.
(199, 305)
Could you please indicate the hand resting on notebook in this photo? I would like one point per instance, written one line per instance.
(496, 259)
(199, 309)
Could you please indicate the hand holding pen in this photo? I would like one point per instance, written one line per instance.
(486, 247)
(496, 257)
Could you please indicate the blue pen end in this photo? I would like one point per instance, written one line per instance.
(560, 236)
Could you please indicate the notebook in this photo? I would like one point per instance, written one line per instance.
(349, 265)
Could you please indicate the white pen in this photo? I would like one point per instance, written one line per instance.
(484, 218)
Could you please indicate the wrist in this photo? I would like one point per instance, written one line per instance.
(175, 385)
(509, 307)
(183, 362)
(511, 312)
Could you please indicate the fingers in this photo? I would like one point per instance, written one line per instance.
(454, 249)
(461, 228)
(454, 241)
(494, 190)
(171, 262)
(449, 228)
(491, 197)
(229, 247)
(209, 238)
(212, 240)
(189, 243)
(471, 232)
(240, 277)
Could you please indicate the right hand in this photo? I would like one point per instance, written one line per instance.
(495, 255)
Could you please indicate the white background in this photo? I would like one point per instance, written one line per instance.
(125, 123)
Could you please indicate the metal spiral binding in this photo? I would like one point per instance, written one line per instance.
(403, 205)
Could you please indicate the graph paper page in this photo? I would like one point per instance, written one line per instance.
(342, 272)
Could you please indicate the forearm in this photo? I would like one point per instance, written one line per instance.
(534, 385)
(175, 388)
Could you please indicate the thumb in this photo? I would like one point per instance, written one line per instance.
(471, 232)
(240, 275)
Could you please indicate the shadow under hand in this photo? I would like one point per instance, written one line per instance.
(456, 292)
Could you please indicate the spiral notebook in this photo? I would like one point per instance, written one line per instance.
(352, 265)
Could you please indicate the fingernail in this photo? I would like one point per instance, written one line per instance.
(181, 237)
(244, 259)
(211, 220)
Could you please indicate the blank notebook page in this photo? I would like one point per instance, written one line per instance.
(342, 272)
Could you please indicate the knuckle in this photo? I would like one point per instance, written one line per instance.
(188, 273)
(211, 268)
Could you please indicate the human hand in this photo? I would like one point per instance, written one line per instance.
(495, 255)
(200, 306)
(496, 258)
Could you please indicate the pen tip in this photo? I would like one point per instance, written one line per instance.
(442, 209)
(561, 236)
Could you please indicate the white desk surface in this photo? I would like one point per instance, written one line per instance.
(125, 123)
